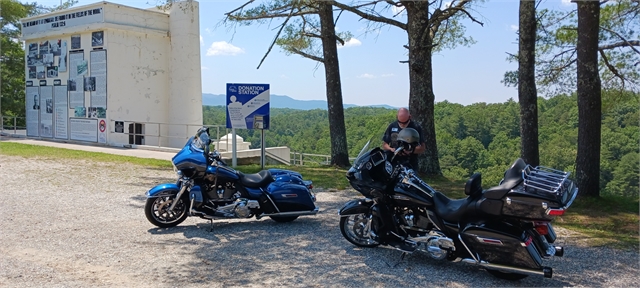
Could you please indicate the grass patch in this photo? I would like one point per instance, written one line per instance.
(606, 221)
(32, 151)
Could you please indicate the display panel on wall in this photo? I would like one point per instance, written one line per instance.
(83, 129)
(75, 84)
(46, 111)
(61, 110)
(98, 74)
(33, 111)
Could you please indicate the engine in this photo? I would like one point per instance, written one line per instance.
(414, 219)
(240, 208)
(222, 193)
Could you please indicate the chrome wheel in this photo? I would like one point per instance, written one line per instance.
(357, 230)
(158, 213)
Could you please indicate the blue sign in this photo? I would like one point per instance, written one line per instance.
(248, 106)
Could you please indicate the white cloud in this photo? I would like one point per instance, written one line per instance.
(204, 68)
(221, 48)
(367, 75)
(395, 10)
(353, 42)
(201, 40)
(447, 4)
(514, 27)
(284, 76)
(208, 31)
(566, 2)
(371, 76)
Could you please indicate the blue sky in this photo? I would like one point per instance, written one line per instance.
(369, 65)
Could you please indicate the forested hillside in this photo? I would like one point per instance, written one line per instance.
(479, 137)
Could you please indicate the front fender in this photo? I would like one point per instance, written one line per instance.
(166, 189)
(357, 206)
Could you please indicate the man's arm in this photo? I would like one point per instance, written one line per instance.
(420, 149)
(386, 140)
(385, 146)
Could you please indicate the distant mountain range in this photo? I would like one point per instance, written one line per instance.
(281, 101)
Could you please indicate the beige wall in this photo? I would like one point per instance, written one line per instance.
(152, 78)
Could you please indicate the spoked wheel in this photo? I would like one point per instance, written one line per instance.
(507, 275)
(357, 230)
(157, 211)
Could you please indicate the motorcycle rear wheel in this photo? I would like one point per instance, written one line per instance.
(156, 210)
(507, 275)
(354, 228)
(283, 219)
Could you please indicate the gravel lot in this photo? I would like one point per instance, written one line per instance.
(80, 224)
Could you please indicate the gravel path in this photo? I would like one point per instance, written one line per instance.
(69, 223)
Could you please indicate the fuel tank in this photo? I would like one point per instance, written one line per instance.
(409, 196)
(226, 173)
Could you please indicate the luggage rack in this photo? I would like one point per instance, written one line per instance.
(544, 179)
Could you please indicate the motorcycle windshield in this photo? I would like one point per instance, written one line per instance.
(363, 152)
(200, 141)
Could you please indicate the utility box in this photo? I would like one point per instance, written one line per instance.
(95, 69)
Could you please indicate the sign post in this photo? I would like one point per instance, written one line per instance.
(248, 108)
(258, 123)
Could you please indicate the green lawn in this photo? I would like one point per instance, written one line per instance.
(610, 221)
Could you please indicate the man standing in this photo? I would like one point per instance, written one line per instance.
(389, 140)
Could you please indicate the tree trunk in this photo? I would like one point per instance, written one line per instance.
(337, 130)
(589, 99)
(527, 94)
(421, 97)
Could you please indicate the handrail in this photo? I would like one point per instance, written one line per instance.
(298, 158)
(14, 126)
(276, 157)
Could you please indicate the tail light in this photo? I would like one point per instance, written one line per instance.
(542, 228)
(555, 212)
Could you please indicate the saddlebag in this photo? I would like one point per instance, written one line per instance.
(290, 197)
(500, 243)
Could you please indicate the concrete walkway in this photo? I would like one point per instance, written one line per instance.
(135, 152)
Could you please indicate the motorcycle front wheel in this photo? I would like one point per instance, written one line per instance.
(357, 230)
(157, 211)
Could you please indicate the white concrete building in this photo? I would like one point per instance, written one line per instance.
(225, 143)
(98, 72)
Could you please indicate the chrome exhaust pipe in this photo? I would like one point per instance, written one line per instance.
(293, 213)
(547, 272)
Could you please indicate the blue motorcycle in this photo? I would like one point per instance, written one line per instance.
(209, 189)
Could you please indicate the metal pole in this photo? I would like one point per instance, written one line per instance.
(262, 156)
(234, 159)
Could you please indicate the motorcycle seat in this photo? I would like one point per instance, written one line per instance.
(256, 180)
(451, 210)
(512, 177)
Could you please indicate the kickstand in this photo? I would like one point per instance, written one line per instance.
(211, 229)
(401, 258)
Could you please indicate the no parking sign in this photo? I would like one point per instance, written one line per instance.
(102, 129)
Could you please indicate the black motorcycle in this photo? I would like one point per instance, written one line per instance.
(506, 229)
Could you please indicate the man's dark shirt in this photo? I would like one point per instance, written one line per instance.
(391, 137)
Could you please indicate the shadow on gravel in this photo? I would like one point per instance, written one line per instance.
(312, 252)
(150, 182)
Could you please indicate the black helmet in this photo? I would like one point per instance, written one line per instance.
(408, 139)
(409, 136)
